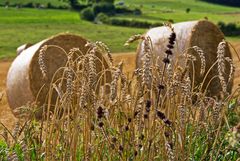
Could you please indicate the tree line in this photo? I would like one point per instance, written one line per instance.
(235, 3)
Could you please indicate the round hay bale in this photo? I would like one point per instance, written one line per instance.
(25, 80)
(23, 47)
(203, 34)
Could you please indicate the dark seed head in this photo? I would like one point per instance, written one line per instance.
(171, 42)
(129, 120)
(172, 37)
(161, 115)
(160, 87)
(169, 52)
(135, 153)
(126, 128)
(141, 137)
(148, 104)
(100, 124)
(167, 122)
(166, 60)
(169, 46)
(100, 112)
(121, 148)
(145, 116)
(114, 140)
(166, 134)
(140, 146)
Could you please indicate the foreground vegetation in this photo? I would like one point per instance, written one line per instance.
(157, 113)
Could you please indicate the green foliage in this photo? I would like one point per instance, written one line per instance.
(102, 18)
(134, 23)
(107, 8)
(229, 29)
(123, 10)
(188, 10)
(56, 4)
(76, 5)
(99, 1)
(87, 14)
(40, 24)
(3, 150)
(235, 3)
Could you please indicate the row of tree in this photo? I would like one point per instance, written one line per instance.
(75, 4)
(235, 3)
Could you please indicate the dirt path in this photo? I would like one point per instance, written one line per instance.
(7, 118)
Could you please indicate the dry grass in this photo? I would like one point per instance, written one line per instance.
(151, 114)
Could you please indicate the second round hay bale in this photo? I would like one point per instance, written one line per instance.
(203, 34)
(25, 80)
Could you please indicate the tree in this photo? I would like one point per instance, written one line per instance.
(98, 1)
(74, 4)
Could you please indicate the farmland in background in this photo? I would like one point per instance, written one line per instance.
(19, 26)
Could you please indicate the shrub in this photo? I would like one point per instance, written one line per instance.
(230, 29)
(188, 10)
(102, 18)
(29, 5)
(50, 6)
(87, 14)
(123, 10)
(137, 11)
(134, 23)
(107, 8)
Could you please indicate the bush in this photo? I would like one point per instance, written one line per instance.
(50, 6)
(188, 10)
(107, 8)
(29, 5)
(87, 14)
(134, 23)
(137, 11)
(102, 18)
(230, 29)
(126, 10)
(123, 10)
(235, 3)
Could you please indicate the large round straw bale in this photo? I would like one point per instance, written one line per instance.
(25, 80)
(203, 34)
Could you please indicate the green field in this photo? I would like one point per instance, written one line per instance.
(19, 26)
(43, 2)
(163, 10)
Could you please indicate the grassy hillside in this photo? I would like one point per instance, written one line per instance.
(195, 5)
(163, 10)
(18, 26)
(43, 2)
